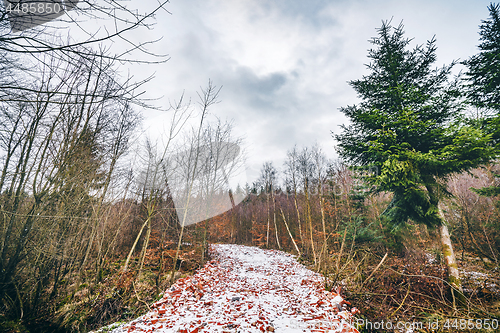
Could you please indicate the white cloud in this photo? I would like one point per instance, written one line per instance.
(284, 65)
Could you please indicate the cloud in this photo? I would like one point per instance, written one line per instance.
(259, 91)
(284, 65)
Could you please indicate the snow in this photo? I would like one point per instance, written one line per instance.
(477, 280)
(247, 289)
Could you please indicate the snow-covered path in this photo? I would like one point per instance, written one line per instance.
(247, 289)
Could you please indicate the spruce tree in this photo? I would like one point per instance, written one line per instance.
(483, 69)
(409, 126)
(482, 82)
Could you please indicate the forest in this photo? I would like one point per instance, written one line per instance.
(95, 226)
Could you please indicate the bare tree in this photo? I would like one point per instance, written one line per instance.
(154, 178)
(267, 181)
(61, 140)
(320, 166)
(38, 30)
(291, 171)
(306, 169)
(222, 160)
(191, 164)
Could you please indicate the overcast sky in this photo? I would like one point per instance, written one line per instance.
(284, 65)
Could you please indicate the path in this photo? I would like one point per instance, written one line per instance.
(247, 289)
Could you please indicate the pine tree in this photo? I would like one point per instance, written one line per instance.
(409, 126)
(482, 82)
(483, 69)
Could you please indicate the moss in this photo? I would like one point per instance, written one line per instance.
(454, 281)
(446, 250)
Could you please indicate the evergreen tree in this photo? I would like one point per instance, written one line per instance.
(482, 81)
(483, 69)
(409, 126)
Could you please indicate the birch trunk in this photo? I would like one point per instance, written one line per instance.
(268, 221)
(309, 217)
(289, 233)
(275, 224)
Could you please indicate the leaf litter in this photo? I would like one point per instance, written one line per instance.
(248, 289)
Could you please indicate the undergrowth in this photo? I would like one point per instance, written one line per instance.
(114, 296)
(406, 283)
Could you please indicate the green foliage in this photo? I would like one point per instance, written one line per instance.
(12, 326)
(363, 232)
(409, 125)
(489, 191)
(483, 74)
(482, 82)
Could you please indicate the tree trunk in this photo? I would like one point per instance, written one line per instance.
(447, 247)
(204, 246)
(289, 233)
(451, 263)
(268, 221)
(449, 258)
(324, 249)
(309, 217)
(275, 224)
(298, 215)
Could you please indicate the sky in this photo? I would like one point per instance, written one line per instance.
(284, 66)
